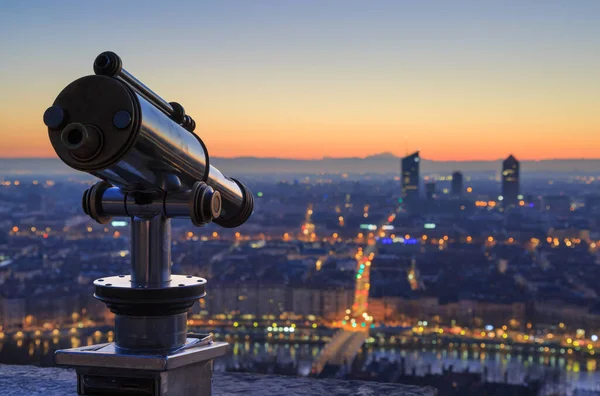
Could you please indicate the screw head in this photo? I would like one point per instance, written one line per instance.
(122, 119)
(54, 117)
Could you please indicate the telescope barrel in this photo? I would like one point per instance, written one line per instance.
(110, 64)
(114, 127)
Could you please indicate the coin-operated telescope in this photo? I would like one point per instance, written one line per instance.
(153, 168)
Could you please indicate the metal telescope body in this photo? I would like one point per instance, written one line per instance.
(153, 168)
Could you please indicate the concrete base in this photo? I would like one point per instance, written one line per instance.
(194, 379)
(103, 370)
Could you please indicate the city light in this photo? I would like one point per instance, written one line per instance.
(259, 300)
(370, 227)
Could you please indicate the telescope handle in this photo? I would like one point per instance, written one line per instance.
(202, 204)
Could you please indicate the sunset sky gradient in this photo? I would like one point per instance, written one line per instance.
(458, 80)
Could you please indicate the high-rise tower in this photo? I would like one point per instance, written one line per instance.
(457, 184)
(410, 177)
(510, 181)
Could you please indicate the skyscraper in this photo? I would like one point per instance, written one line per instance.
(457, 184)
(510, 181)
(410, 177)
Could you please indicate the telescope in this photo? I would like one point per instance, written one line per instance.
(153, 168)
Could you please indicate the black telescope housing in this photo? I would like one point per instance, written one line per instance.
(114, 127)
(154, 168)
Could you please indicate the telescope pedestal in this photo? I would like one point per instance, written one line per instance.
(104, 370)
(153, 169)
(152, 353)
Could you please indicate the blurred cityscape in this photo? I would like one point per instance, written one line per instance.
(490, 277)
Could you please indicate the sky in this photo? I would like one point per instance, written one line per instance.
(457, 80)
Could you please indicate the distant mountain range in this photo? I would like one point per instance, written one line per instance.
(380, 163)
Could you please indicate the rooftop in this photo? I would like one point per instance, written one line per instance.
(33, 381)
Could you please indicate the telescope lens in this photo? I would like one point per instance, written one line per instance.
(216, 204)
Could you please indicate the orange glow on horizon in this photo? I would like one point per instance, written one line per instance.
(305, 147)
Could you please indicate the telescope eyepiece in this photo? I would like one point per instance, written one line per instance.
(83, 142)
(74, 135)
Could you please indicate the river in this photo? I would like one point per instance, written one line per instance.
(574, 372)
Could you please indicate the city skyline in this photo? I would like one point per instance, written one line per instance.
(338, 251)
(460, 81)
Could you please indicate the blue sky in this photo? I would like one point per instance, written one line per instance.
(259, 74)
